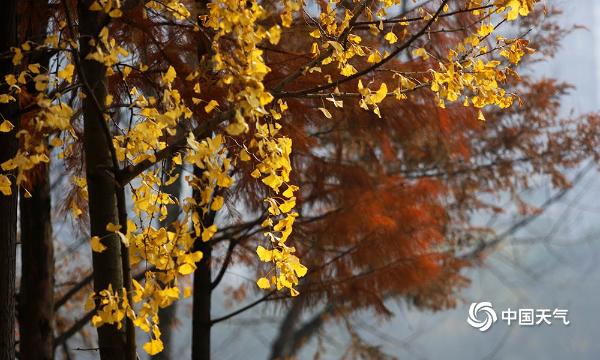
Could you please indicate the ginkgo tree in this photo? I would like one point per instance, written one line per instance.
(208, 106)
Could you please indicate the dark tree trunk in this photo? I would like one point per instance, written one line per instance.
(167, 316)
(107, 265)
(36, 298)
(8, 204)
(202, 288)
(201, 325)
(201, 320)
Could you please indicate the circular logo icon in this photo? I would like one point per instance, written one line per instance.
(481, 316)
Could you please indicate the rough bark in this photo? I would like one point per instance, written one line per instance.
(202, 303)
(202, 287)
(8, 204)
(167, 316)
(36, 298)
(201, 325)
(126, 265)
(107, 265)
(201, 319)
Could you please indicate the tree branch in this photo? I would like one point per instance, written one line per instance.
(225, 265)
(72, 291)
(127, 174)
(243, 309)
(393, 54)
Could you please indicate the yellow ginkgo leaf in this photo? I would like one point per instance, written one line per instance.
(255, 173)
(420, 52)
(348, 70)
(480, 116)
(273, 181)
(153, 347)
(374, 57)
(34, 68)
(115, 13)
(300, 269)
(274, 34)
(10, 79)
(325, 112)
(5, 98)
(244, 156)
(97, 245)
(517, 7)
(263, 283)
(217, 203)
(379, 94)
(264, 254)
(210, 106)
(112, 227)
(289, 192)
(209, 232)
(169, 76)
(391, 37)
(288, 205)
(6, 126)
(95, 6)
(5, 188)
(354, 38)
(186, 269)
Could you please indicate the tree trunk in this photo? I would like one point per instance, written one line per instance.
(201, 325)
(8, 204)
(201, 320)
(202, 288)
(108, 270)
(167, 316)
(36, 298)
